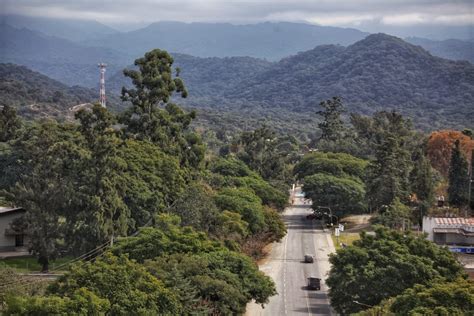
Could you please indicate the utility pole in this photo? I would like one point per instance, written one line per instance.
(469, 186)
(102, 67)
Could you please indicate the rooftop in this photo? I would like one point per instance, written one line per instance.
(9, 209)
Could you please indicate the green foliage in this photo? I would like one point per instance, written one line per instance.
(388, 175)
(153, 242)
(245, 202)
(128, 287)
(332, 127)
(361, 272)
(196, 208)
(232, 167)
(422, 184)
(261, 150)
(81, 302)
(336, 164)
(168, 127)
(151, 180)
(46, 187)
(395, 216)
(9, 123)
(443, 298)
(342, 195)
(225, 279)
(458, 178)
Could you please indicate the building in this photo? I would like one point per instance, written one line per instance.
(455, 232)
(10, 239)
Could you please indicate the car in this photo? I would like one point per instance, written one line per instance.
(308, 258)
(314, 283)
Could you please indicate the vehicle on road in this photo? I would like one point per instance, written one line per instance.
(314, 215)
(308, 258)
(314, 283)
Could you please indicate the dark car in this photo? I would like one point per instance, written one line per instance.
(308, 258)
(314, 283)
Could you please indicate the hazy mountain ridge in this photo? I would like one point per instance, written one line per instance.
(272, 41)
(70, 29)
(451, 49)
(58, 58)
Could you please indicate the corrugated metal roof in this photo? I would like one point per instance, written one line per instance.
(455, 221)
(8, 209)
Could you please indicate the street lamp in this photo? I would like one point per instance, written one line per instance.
(362, 304)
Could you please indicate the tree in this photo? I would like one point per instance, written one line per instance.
(81, 302)
(336, 164)
(47, 188)
(342, 195)
(9, 123)
(128, 287)
(437, 298)
(387, 176)
(245, 202)
(167, 127)
(458, 177)
(332, 126)
(377, 267)
(422, 184)
(260, 151)
(395, 216)
(101, 214)
(441, 298)
(440, 145)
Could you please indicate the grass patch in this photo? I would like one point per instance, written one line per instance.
(30, 264)
(346, 238)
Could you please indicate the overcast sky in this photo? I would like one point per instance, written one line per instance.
(348, 13)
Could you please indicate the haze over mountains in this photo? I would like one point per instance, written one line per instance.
(370, 72)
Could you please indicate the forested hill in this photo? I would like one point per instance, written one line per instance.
(205, 77)
(36, 95)
(379, 72)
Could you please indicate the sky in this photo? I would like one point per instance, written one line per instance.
(369, 15)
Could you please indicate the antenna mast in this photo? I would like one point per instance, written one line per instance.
(102, 84)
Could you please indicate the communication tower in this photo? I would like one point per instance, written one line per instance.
(102, 84)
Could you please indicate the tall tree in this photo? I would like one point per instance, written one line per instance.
(378, 267)
(102, 213)
(387, 175)
(332, 126)
(440, 145)
(48, 186)
(9, 123)
(152, 116)
(422, 184)
(458, 177)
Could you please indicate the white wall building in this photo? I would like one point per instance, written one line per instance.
(454, 231)
(11, 240)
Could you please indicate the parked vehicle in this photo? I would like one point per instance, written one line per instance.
(314, 283)
(308, 258)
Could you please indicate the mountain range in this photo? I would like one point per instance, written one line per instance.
(371, 72)
(379, 72)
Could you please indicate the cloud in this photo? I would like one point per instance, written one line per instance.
(324, 12)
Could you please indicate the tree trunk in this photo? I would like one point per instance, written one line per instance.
(44, 261)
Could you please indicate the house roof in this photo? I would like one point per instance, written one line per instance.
(455, 221)
(10, 210)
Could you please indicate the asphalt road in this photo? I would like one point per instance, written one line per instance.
(286, 267)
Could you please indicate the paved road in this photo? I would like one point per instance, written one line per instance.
(285, 266)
